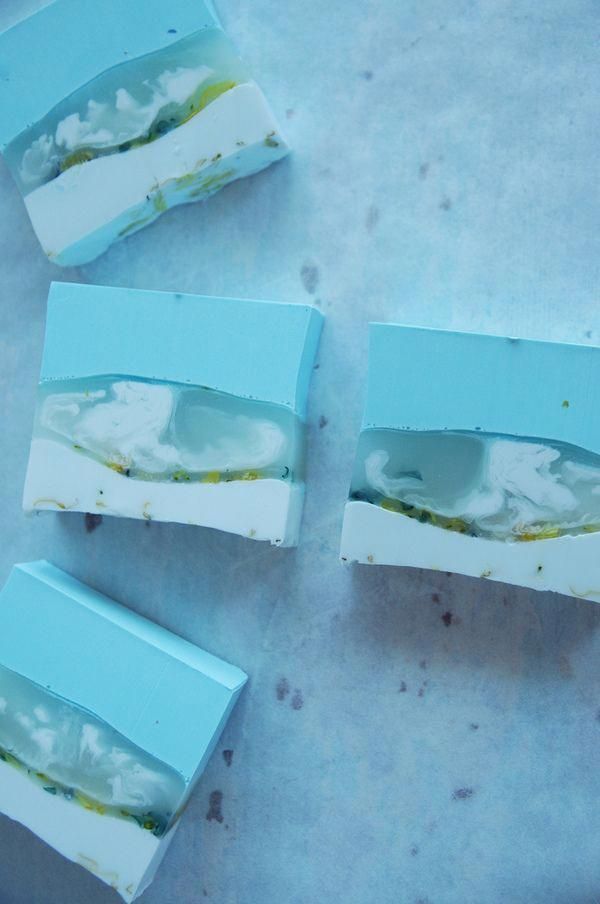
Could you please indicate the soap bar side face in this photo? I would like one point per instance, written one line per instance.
(434, 484)
(167, 127)
(68, 751)
(86, 787)
(189, 450)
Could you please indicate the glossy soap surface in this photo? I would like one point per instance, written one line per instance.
(127, 106)
(498, 487)
(72, 753)
(166, 431)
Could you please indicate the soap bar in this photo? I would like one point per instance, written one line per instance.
(175, 408)
(479, 455)
(106, 723)
(112, 112)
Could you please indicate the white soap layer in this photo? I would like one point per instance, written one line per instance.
(116, 850)
(569, 564)
(81, 212)
(60, 478)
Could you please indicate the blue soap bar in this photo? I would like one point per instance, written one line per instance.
(111, 113)
(174, 407)
(106, 722)
(481, 455)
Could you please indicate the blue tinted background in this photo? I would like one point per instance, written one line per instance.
(406, 736)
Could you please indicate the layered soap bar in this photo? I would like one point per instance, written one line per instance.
(106, 724)
(112, 112)
(480, 455)
(175, 408)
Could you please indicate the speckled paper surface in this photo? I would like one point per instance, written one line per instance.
(406, 737)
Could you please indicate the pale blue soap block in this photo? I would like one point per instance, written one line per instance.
(174, 407)
(480, 455)
(112, 112)
(106, 723)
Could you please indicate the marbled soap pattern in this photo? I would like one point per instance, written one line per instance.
(74, 753)
(166, 431)
(126, 107)
(499, 487)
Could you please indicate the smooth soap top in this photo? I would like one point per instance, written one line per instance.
(424, 379)
(166, 695)
(253, 349)
(67, 43)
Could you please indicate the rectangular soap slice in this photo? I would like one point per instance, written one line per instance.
(479, 455)
(106, 723)
(174, 407)
(112, 112)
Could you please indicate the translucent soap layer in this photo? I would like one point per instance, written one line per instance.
(497, 487)
(74, 754)
(171, 432)
(126, 107)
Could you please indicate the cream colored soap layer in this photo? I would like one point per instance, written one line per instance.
(117, 851)
(228, 139)
(569, 565)
(61, 479)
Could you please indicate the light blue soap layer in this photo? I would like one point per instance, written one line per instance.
(252, 349)
(166, 695)
(69, 42)
(423, 379)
